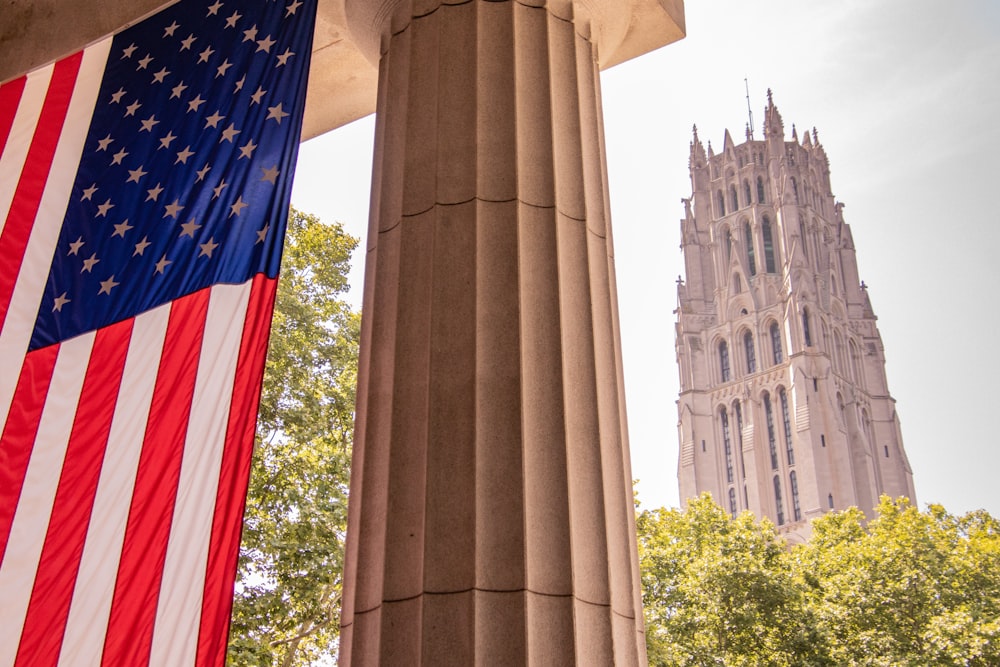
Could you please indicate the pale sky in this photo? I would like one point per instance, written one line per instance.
(906, 97)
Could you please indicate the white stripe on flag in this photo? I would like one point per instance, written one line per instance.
(178, 614)
(16, 332)
(27, 532)
(16, 151)
(83, 641)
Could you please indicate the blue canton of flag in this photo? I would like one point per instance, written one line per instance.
(176, 186)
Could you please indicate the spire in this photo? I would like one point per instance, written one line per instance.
(773, 125)
(807, 142)
(795, 134)
(697, 157)
(749, 133)
(727, 141)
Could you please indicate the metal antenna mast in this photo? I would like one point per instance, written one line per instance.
(749, 110)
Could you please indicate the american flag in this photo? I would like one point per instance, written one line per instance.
(144, 186)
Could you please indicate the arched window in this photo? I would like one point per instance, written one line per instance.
(806, 335)
(748, 240)
(727, 444)
(732, 502)
(751, 357)
(746, 192)
(779, 509)
(859, 377)
(796, 510)
(769, 416)
(724, 361)
(776, 343)
(795, 190)
(783, 399)
(805, 241)
(765, 230)
(760, 190)
(722, 203)
(734, 203)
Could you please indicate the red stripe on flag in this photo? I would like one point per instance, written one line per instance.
(20, 430)
(10, 97)
(28, 195)
(234, 476)
(133, 606)
(45, 622)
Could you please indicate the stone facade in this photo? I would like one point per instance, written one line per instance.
(784, 408)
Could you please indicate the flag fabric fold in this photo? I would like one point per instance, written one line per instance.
(144, 188)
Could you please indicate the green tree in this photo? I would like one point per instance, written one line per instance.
(908, 588)
(288, 590)
(720, 591)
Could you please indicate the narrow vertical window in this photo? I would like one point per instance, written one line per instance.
(829, 500)
(776, 343)
(795, 190)
(751, 357)
(739, 436)
(732, 502)
(778, 504)
(866, 426)
(783, 398)
(765, 230)
(772, 447)
(722, 203)
(746, 192)
(748, 240)
(796, 510)
(734, 202)
(728, 240)
(727, 444)
(760, 190)
(724, 361)
(806, 335)
(805, 242)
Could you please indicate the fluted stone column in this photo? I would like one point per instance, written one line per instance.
(491, 518)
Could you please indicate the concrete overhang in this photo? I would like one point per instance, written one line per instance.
(342, 82)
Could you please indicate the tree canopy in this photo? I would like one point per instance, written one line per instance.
(288, 591)
(906, 588)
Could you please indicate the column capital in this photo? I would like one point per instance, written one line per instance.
(621, 29)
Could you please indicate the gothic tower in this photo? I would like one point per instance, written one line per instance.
(784, 407)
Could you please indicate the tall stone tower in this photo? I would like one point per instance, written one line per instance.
(784, 407)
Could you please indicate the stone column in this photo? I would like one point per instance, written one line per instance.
(491, 517)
